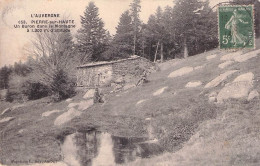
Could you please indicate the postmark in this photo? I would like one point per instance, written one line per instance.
(236, 27)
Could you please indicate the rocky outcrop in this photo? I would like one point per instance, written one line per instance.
(193, 84)
(215, 82)
(67, 116)
(180, 72)
(239, 88)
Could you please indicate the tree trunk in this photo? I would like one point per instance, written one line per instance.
(134, 44)
(161, 52)
(155, 56)
(186, 54)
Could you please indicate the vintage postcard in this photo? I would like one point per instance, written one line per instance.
(129, 82)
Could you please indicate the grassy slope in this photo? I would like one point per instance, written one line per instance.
(176, 115)
(231, 139)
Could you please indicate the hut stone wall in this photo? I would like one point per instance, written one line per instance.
(105, 73)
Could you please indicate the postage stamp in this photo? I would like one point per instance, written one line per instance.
(236, 26)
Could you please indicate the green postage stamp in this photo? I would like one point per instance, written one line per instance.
(236, 26)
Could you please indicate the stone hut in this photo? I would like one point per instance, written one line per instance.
(107, 72)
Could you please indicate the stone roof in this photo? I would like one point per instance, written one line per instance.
(100, 63)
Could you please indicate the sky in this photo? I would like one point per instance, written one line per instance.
(13, 41)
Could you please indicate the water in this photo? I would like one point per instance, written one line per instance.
(94, 148)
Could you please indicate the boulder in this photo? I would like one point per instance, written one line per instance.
(89, 94)
(199, 67)
(180, 72)
(67, 116)
(48, 113)
(231, 56)
(253, 94)
(83, 105)
(71, 105)
(234, 90)
(159, 91)
(140, 101)
(225, 64)
(239, 88)
(21, 131)
(240, 57)
(193, 84)
(6, 111)
(215, 82)
(213, 96)
(212, 99)
(17, 106)
(248, 77)
(211, 56)
(247, 56)
(69, 100)
(6, 119)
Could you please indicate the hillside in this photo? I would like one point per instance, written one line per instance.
(203, 110)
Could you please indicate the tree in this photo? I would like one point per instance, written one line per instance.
(121, 46)
(124, 32)
(135, 9)
(21, 69)
(157, 33)
(5, 73)
(53, 54)
(194, 23)
(91, 38)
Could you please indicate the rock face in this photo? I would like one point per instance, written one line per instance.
(180, 72)
(193, 84)
(83, 105)
(67, 116)
(48, 113)
(215, 82)
(89, 94)
(159, 91)
(239, 88)
(225, 64)
(253, 94)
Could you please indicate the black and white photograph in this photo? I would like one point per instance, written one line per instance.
(129, 82)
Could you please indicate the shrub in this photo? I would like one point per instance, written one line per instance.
(9, 96)
(62, 86)
(16, 88)
(35, 90)
(22, 88)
